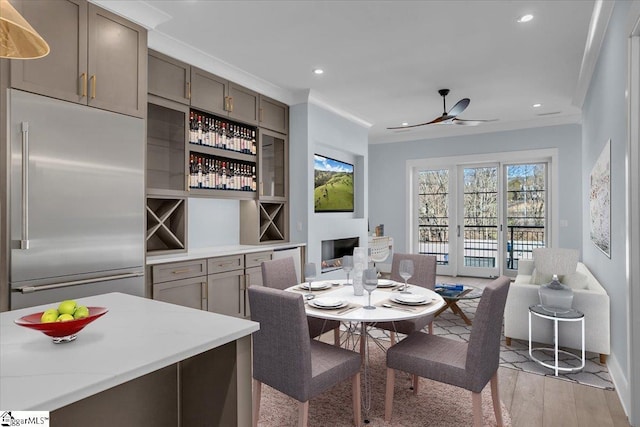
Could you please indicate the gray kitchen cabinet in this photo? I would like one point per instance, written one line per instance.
(273, 158)
(169, 78)
(226, 293)
(183, 283)
(85, 65)
(253, 274)
(273, 115)
(219, 96)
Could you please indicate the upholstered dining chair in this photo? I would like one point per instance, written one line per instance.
(281, 274)
(467, 365)
(424, 274)
(288, 360)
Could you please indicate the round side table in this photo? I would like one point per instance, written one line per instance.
(556, 316)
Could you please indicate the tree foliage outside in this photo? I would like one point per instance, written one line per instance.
(525, 201)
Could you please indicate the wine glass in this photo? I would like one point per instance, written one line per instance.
(347, 265)
(309, 275)
(370, 282)
(406, 271)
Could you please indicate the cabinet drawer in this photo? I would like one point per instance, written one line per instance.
(256, 259)
(227, 263)
(179, 270)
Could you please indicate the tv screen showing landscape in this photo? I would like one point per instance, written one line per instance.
(333, 185)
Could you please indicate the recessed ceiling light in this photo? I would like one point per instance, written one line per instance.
(405, 124)
(525, 18)
(537, 105)
(318, 71)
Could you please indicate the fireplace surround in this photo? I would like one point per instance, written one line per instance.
(332, 252)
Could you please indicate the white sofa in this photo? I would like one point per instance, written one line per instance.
(589, 298)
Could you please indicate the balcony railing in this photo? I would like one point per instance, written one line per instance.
(480, 244)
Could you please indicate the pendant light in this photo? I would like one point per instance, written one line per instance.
(18, 39)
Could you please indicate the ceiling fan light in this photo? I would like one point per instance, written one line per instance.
(18, 39)
(525, 18)
(405, 124)
(318, 71)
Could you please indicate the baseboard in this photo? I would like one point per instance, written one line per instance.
(620, 382)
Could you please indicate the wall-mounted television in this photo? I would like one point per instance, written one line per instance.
(333, 185)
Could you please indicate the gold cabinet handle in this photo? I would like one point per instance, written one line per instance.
(83, 83)
(188, 90)
(184, 270)
(93, 86)
(260, 110)
(226, 103)
(231, 104)
(261, 188)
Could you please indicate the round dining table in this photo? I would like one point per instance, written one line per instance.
(341, 303)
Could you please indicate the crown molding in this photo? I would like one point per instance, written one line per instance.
(312, 97)
(140, 12)
(602, 11)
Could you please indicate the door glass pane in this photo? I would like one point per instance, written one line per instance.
(165, 148)
(433, 214)
(272, 166)
(526, 207)
(480, 217)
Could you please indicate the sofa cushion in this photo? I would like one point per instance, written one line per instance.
(549, 261)
(538, 278)
(576, 280)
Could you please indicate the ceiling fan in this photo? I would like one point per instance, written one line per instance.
(449, 118)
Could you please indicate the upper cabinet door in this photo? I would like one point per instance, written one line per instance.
(243, 104)
(208, 92)
(117, 63)
(169, 78)
(274, 115)
(62, 73)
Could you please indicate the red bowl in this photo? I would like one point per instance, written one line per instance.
(60, 331)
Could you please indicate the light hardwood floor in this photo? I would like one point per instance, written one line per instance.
(539, 401)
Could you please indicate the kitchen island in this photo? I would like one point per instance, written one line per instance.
(145, 362)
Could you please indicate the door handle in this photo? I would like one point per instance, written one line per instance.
(93, 86)
(84, 84)
(24, 238)
(458, 231)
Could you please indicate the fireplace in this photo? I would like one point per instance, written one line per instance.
(334, 250)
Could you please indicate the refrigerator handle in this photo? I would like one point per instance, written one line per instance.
(24, 240)
(29, 289)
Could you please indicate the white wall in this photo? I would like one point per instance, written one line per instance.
(314, 129)
(604, 118)
(387, 177)
(213, 222)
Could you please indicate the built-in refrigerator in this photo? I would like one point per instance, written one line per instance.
(76, 201)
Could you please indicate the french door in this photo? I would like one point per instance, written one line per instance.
(480, 220)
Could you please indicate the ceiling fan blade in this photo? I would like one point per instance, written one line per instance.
(459, 107)
(465, 122)
(432, 122)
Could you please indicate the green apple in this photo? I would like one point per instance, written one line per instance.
(50, 315)
(64, 317)
(67, 307)
(81, 312)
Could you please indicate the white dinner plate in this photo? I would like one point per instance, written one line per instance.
(316, 286)
(411, 299)
(327, 303)
(384, 283)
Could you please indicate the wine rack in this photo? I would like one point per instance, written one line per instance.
(263, 222)
(166, 224)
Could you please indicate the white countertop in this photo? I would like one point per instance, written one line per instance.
(137, 336)
(216, 251)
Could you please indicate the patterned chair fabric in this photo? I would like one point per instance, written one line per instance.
(284, 356)
(467, 365)
(281, 274)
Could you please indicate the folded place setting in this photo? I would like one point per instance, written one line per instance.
(412, 303)
(335, 305)
(317, 288)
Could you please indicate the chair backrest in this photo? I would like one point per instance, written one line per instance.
(483, 351)
(282, 347)
(379, 248)
(558, 261)
(279, 273)
(424, 269)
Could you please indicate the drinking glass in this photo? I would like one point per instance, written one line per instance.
(370, 282)
(347, 265)
(309, 275)
(406, 271)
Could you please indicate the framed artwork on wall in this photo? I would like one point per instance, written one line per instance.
(600, 201)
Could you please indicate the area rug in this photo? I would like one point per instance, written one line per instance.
(437, 404)
(516, 356)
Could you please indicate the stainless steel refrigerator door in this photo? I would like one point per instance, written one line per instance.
(84, 214)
